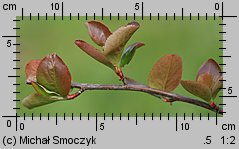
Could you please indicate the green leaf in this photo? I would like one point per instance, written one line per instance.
(166, 73)
(94, 53)
(98, 32)
(117, 40)
(31, 69)
(35, 100)
(128, 53)
(54, 75)
(197, 89)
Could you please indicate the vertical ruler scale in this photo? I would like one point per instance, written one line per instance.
(101, 119)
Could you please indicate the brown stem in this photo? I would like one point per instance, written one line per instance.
(146, 89)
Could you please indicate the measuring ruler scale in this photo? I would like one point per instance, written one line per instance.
(171, 82)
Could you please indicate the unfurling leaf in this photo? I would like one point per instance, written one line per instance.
(50, 78)
(207, 80)
(128, 53)
(54, 75)
(31, 69)
(117, 40)
(35, 100)
(98, 32)
(94, 53)
(198, 89)
(45, 92)
(166, 73)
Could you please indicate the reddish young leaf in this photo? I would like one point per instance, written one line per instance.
(211, 67)
(209, 76)
(166, 73)
(216, 87)
(94, 53)
(206, 79)
(54, 75)
(116, 42)
(31, 69)
(98, 32)
(197, 89)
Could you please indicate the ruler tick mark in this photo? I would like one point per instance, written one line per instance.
(102, 14)
(182, 13)
(136, 118)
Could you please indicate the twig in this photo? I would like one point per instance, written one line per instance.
(146, 89)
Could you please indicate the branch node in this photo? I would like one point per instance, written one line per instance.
(74, 95)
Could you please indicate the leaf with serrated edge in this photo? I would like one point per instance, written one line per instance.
(197, 89)
(54, 75)
(166, 73)
(98, 32)
(129, 52)
(211, 67)
(31, 69)
(35, 100)
(117, 40)
(216, 87)
(94, 53)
